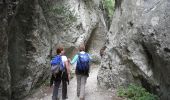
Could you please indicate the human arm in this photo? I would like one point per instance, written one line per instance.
(74, 59)
(67, 64)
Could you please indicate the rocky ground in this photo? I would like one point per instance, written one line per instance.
(92, 91)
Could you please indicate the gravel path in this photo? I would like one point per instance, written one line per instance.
(92, 91)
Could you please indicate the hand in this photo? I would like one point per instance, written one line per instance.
(69, 60)
(69, 77)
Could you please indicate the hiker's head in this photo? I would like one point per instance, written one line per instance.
(59, 50)
(82, 48)
(62, 52)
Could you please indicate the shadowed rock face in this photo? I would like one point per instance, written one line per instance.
(138, 47)
(30, 32)
(29, 46)
(4, 68)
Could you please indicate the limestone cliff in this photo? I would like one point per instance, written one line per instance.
(32, 29)
(138, 47)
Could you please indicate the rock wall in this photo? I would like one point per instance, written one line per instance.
(29, 46)
(30, 32)
(89, 27)
(5, 82)
(138, 47)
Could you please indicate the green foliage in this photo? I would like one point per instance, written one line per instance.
(134, 92)
(109, 6)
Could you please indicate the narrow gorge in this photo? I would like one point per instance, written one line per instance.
(135, 34)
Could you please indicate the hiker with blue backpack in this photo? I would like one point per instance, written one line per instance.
(65, 75)
(60, 73)
(82, 70)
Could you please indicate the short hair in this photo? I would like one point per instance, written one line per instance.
(81, 48)
(58, 50)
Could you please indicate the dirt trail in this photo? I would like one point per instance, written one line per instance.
(92, 91)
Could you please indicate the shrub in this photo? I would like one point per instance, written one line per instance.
(134, 92)
(109, 6)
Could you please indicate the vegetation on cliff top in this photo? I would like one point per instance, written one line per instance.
(109, 6)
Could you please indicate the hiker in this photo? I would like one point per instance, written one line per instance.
(65, 75)
(56, 74)
(82, 70)
(60, 72)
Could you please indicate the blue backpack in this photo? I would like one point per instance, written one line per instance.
(56, 65)
(83, 63)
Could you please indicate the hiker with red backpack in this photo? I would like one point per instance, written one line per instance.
(82, 70)
(60, 71)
